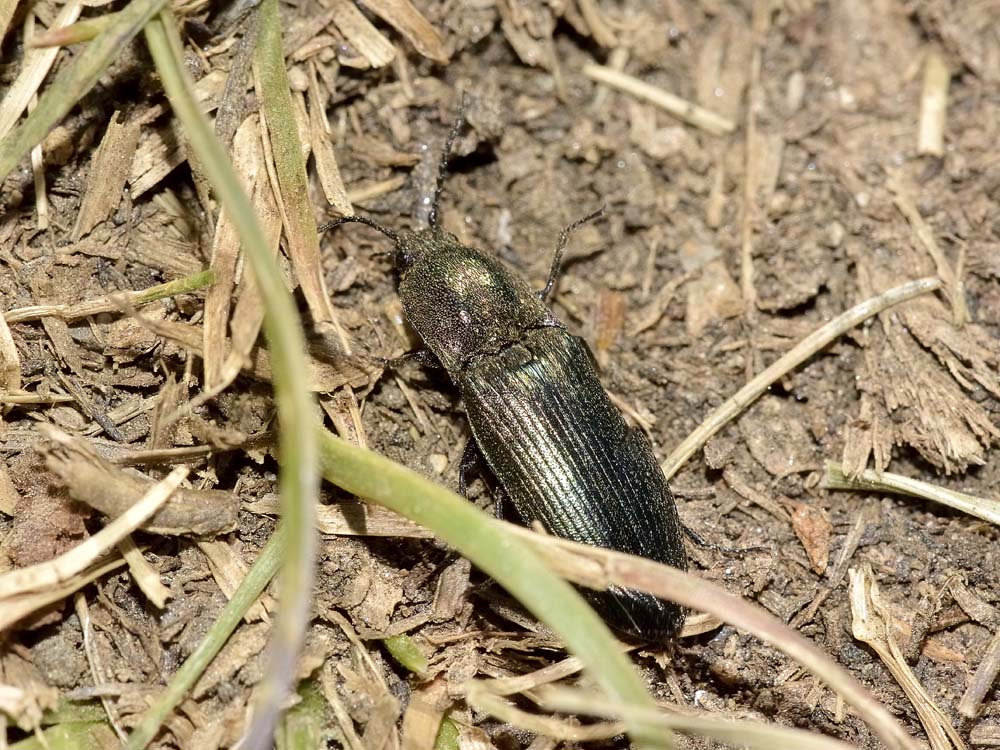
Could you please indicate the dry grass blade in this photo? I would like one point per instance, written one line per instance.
(423, 715)
(680, 108)
(291, 184)
(75, 33)
(598, 568)
(408, 21)
(982, 680)
(352, 519)
(884, 481)
(741, 733)
(34, 67)
(146, 577)
(67, 568)
(74, 80)
(360, 32)
(109, 168)
(522, 683)
(229, 571)
(160, 150)
(22, 605)
(904, 200)
(7, 8)
(872, 623)
(10, 360)
(94, 661)
(38, 175)
(248, 161)
(322, 148)
(364, 193)
(549, 726)
(111, 302)
(798, 354)
(933, 105)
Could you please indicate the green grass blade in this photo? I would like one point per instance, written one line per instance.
(259, 575)
(297, 450)
(507, 559)
(71, 735)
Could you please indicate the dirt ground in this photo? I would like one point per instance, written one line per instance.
(725, 241)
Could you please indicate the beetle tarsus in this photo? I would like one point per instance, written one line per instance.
(471, 461)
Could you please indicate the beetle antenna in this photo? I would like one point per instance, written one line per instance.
(561, 246)
(359, 220)
(456, 128)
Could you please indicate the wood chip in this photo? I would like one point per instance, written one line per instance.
(109, 169)
(112, 491)
(403, 16)
(813, 528)
(359, 31)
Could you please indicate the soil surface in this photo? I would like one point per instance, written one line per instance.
(723, 243)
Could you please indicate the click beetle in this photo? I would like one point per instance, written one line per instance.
(559, 450)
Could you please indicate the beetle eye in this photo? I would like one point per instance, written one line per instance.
(402, 258)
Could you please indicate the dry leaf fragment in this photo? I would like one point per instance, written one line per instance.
(777, 439)
(813, 528)
(322, 148)
(711, 297)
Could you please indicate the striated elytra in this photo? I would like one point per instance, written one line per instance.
(560, 451)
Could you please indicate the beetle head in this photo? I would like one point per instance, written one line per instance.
(463, 303)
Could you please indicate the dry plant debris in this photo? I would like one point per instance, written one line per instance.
(766, 168)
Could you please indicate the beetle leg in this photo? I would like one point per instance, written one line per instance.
(423, 357)
(560, 247)
(701, 541)
(471, 461)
